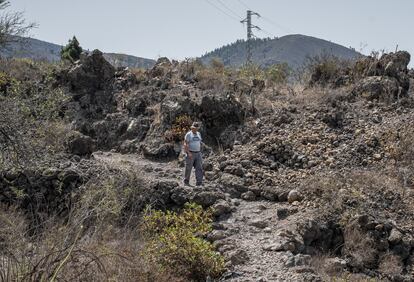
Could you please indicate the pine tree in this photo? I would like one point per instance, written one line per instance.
(72, 51)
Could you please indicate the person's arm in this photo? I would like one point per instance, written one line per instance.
(186, 148)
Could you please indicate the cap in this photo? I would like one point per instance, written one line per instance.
(195, 125)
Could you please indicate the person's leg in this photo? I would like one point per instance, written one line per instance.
(189, 162)
(199, 169)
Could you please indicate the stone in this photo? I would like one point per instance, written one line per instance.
(235, 170)
(283, 196)
(275, 247)
(233, 182)
(238, 257)
(216, 235)
(378, 88)
(282, 213)
(181, 195)
(294, 196)
(221, 207)
(208, 166)
(267, 230)
(377, 157)
(259, 223)
(210, 175)
(335, 265)
(395, 237)
(248, 196)
(207, 198)
(79, 144)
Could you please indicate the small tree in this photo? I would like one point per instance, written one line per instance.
(12, 25)
(72, 51)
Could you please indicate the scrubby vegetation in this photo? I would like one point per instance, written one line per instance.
(176, 242)
(31, 114)
(337, 148)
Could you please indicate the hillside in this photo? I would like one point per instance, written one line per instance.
(311, 183)
(291, 49)
(50, 52)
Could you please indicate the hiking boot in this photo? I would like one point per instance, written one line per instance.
(186, 183)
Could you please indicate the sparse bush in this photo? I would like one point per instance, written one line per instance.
(176, 242)
(217, 65)
(251, 71)
(401, 150)
(28, 111)
(391, 264)
(364, 189)
(277, 74)
(360, 247)
(324, 71)
(208, 78)
(139, 74)
(13, 26)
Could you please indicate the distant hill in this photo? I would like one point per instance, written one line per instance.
(291, 49)
(41, 50)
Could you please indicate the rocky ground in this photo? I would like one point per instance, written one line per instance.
(313, 185)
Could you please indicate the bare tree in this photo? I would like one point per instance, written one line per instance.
(12, 25)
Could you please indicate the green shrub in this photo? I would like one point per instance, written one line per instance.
(175, 242)
(72, 51)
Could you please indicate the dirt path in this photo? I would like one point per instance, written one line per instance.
(252, 237)
(258, 245)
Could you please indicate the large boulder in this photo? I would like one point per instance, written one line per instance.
(91, 73)
(90, 87)
(41, 191)
(378, 88)
(219, 115)
(79, 144)
(395, 63)
(159, 151)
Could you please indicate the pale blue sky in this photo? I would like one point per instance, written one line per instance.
(188, 28)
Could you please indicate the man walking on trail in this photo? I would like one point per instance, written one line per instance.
(192, 148)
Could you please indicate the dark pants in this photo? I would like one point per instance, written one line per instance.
(195, 161)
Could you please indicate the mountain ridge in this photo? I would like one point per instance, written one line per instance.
(292, 49)
(42, 50)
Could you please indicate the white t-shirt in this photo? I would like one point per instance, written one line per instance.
(193, 141)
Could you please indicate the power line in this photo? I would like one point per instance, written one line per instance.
(267, 32)
(221, 10)
(229, 9)
(272, 22)
(244, 5)
(277, 25)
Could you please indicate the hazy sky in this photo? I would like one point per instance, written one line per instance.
(188, 28)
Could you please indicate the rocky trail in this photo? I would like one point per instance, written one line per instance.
(253, 235)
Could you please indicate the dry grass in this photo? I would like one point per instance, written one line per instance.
(360, 247)
(391, 264)
(65, 254)
(367, 190)
(100, 239)
(330, 272)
